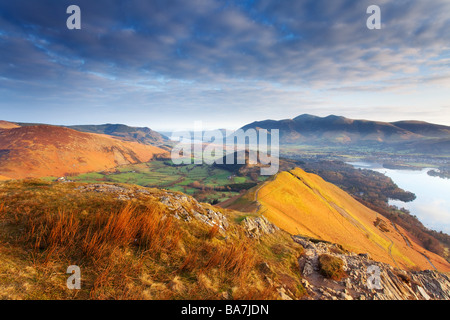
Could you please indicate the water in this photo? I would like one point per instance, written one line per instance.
(432, 205)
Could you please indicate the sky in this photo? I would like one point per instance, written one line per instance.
(166, 64)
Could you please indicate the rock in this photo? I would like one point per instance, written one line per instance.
(305, 284)
(345, 296)
(394, 284)
(186, 208)
(259, 226)
(269, 280)
(123, 197)
(423, 293)
(225, 295)
(283, 295)
(308, 269)
(347, 283)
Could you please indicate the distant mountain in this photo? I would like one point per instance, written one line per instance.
(424, 128)
(337, 130)
(236, 166)
(205, 134)
(140, 134)
(44, 150)
(435, 146)
(7, 125)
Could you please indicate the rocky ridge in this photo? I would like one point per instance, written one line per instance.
(366, 279)
(179, 205)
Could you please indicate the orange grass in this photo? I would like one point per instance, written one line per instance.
(96, 236)
(128, 250)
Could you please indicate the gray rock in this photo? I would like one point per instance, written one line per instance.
(258, 227)
(308, 269)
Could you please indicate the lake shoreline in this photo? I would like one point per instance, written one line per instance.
(431, 206)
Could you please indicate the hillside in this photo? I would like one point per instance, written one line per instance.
(44, 150)
(137, 243)
(143, 135)
(132, 242)
(7, 125)
(313, 130)
(304, 204)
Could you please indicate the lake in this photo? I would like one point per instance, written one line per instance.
(432, 205)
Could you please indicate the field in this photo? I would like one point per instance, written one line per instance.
(207, 183)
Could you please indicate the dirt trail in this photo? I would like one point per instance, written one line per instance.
(408, 243)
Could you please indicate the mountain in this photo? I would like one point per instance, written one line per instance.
(44, 150)
(424, 128)
(7, 125)
(139, 134)
(304, 204)
(337, 130)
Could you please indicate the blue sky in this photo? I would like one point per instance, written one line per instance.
(165, 64)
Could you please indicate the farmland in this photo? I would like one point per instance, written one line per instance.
(206, 183)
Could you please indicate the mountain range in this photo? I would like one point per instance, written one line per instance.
(341, 131)
(28, 149)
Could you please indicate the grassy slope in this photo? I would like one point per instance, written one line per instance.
(130, 249)
(303, 203)
(39, 151)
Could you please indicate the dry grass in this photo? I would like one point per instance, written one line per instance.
(213, 231)
(128, 250)
(2, 210)
(100, 234)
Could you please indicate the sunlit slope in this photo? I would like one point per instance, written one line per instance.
(7, 125)
(303, 203)
(43, 150)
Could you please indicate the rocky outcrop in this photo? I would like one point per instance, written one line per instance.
(258, 226)
(179, 205)
(122, 192)
(185, 208)
(367, 279)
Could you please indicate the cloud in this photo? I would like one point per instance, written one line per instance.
(158, 50)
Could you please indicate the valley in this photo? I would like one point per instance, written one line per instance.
(206, 183)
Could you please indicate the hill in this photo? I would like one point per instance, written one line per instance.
(337, 130)
(143, 135)
(7, 125)
(132, 242)
(44, 150)
(304, 204)
(424, 128)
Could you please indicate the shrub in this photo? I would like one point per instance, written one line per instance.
(331, 267)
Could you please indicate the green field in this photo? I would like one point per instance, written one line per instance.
(205, 182)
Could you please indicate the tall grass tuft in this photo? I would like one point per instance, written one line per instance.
(96, 236)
